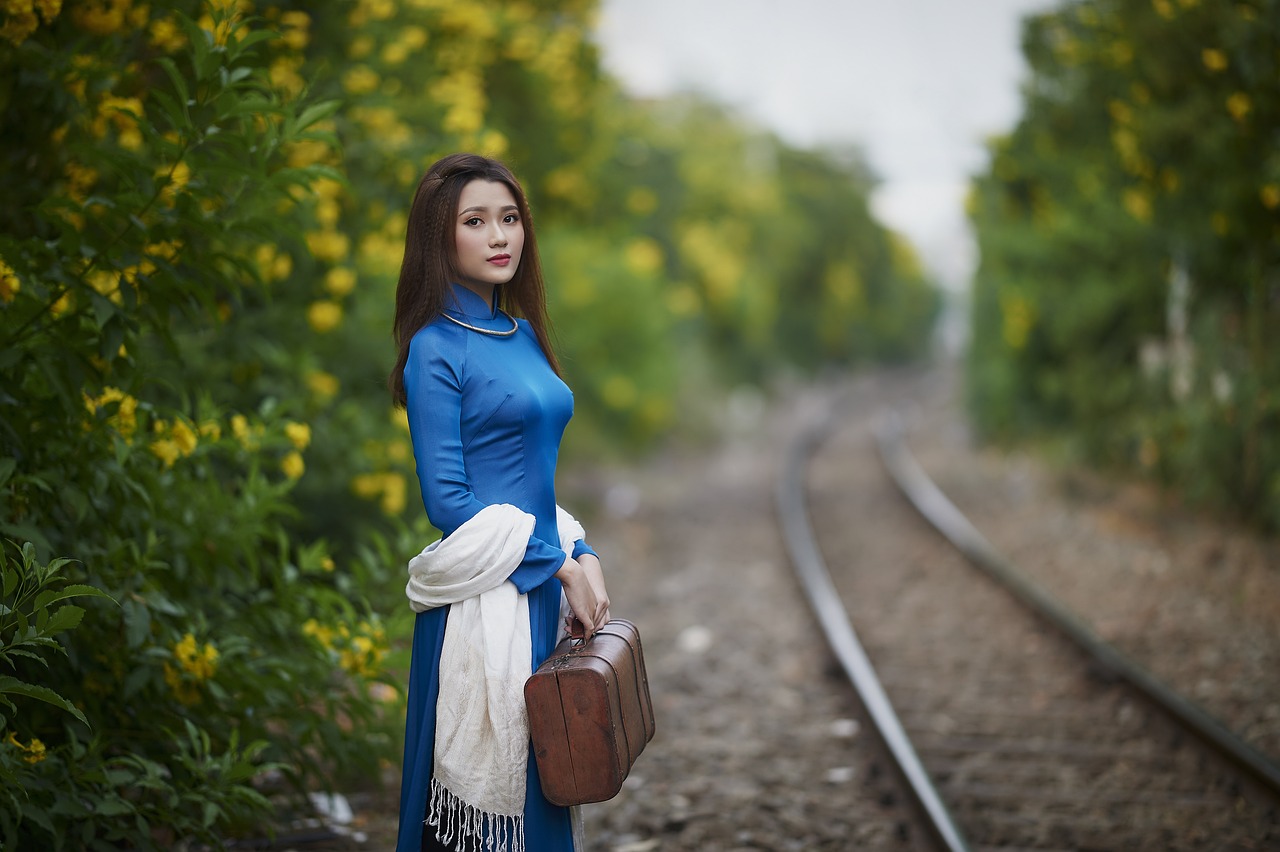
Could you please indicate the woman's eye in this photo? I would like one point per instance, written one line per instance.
(511, 218)
(472, 221)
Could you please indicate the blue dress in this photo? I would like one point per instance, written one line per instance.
(486, 414)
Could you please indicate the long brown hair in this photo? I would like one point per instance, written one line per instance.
(431, 259)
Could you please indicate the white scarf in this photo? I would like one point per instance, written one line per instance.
(482, 726)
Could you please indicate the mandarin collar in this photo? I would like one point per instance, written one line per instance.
(470, 304)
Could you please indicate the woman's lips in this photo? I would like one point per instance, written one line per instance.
(500, 259)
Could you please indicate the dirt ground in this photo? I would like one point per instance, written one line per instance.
(760, 743)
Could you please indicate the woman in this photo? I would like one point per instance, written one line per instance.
(486, 409)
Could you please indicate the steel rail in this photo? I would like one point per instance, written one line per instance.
(816, 581)
(939, 511)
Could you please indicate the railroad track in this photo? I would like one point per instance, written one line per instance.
(1014, 726)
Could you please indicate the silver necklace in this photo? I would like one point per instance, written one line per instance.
(514, 325)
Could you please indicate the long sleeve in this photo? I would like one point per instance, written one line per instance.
(434, 390)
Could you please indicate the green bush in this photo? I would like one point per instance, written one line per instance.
(205, 204)
(1127, 288)
(143, 175)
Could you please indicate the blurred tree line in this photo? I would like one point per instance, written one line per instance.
(206, 498)
(1129, 286)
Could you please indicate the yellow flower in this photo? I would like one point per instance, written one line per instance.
(298, 433)
(198, 662)
(124, 113)
(400, 419)
(166, 450)
(321, 633)
(174, 179)
(619, 392)
(166, 35)
(210, 429)
(494, 143)
(295, 32)
(293, 465)
(340, 281)
(309, 152)
(1138, 203)
(1213, 59)
(395, 53)
(1270, 196)
(1239, 106)
(284, 74)
(10, 284)
(18, 25)
(184, 437)
(329, 246)
(360, 80)
(106, 283)
(64, 304)
(125, 419)
(273, 265)
(35, 751)
(644, 256)
(366, 485)
(101, 17)
(327, 212)
(324, 316)
(327, 565)
(393, 494)
(360, 47)
(1019, 318)
(363, 649)
(1120, 111)
(80, 179)
(323, 385)
(164, 250)
(413, 37)
(242, 432)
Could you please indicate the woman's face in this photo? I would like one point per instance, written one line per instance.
(489, 236)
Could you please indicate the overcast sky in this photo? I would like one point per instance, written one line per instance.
(918, 84)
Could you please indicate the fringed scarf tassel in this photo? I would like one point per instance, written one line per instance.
(465, 826)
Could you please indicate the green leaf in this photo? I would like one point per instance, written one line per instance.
(7, 467)
(137, 623)
(138, 678)
(64, 618)
(113, 807)
(247, 41)
(78, 590)
(19, 652)
(11, 580)
(179, 84)
(175, 111)
(13, 686)
(316, 112)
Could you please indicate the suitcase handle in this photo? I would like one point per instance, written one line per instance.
(577, 631)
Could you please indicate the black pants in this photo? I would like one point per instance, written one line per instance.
(430, 844)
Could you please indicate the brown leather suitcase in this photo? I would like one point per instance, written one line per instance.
(590, 715)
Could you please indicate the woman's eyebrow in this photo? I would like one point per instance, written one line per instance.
(481, 209)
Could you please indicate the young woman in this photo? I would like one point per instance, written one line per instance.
(487, 409)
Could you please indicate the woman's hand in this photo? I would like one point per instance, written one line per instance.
(581, 596)
(595, 576)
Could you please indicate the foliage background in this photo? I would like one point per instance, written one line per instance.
(205, 206)
(1128, 297)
